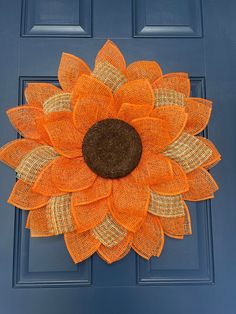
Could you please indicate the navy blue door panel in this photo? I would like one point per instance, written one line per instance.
(195, 275)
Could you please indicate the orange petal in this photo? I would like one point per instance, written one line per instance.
(115, 253)
(153, 169)
(175, 118)
(199, 112)
(153, 132)
(70, 68)
(44, 183)
(111, 53)
(201, 185)
(65, 138)
(173, 226)
(215, 156)
(90, 215)
(28, 122)
(81, 245)
(89, 85)
(144, 70)
(137, 92)
(129, 112)
(37, 222)
(129, 211)
(23, 197)
(37, 93)
(149, 239)
(88, 110)
(101, 188)
(13, 152)
(176, 81)
(176, 185)
(70, 175)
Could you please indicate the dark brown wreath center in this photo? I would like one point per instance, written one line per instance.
(112, 148)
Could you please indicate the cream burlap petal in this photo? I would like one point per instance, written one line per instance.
(58, 213)
(109, 232)
(166, 206)
(188, 151)
(109, 75)
(58, 102)
(34, 161)
(168, 97)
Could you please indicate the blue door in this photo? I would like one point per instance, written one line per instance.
(196, 275)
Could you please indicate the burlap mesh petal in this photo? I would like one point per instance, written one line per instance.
(173, 226)
(166, 206)
(34, 161)
(23, 197)
(37, 93)
(150, 70)
(215, 156)
(37, 223)
(109, 75)
(70, 68)
(115, 253)
(177, 184)
(177, 81)
(112, 54)
(168, 97)
(188, 151)
(90, 215)
(201, 185)
(58, 102)
(100, 189)
(199, 112)
(148, 241)
(81, 245)
(109, 232)
(58, 213)
(13, 152)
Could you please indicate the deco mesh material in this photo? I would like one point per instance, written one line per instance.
(149, 175)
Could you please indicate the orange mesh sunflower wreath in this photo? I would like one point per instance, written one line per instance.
(109, 158)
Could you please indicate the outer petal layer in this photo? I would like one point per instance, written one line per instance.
(173, 226)
(81, 245)
(129, 203)
(37, 93)
(13, 152)
(176, 81)
(23, 197)
(149, 239)
(201, 185)
(115, 253)
(111, 53)
(199, 112)
(28, 121)
(215, 156)
(144, 70)
(70, 68)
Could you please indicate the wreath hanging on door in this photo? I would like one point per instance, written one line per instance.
(109, 158)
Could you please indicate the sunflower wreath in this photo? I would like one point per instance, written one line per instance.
(109, 158)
